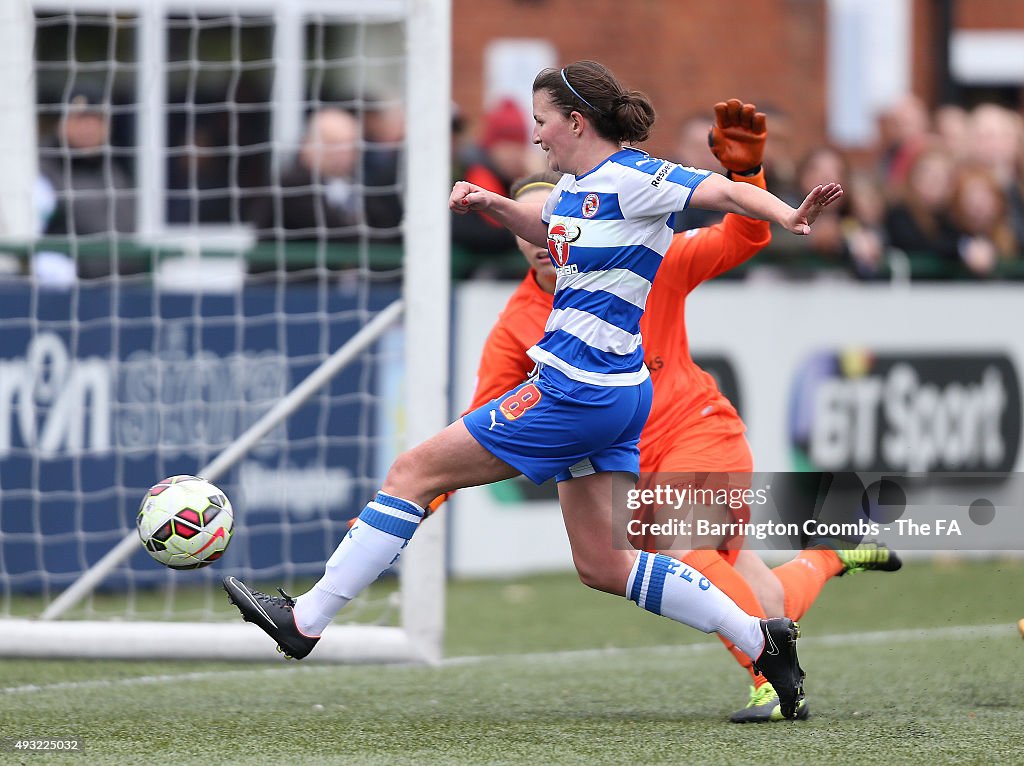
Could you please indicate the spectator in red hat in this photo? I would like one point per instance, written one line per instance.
(502, 156)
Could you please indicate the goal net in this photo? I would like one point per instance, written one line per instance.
(223, 242)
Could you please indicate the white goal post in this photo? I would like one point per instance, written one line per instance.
(422, 312)
(418, 637)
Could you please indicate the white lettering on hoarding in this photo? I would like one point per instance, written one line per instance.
(924, 425)
(303, 492)
(57, 404)
(53, 402)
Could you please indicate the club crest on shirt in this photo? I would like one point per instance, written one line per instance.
(590, 205)
(560, 235)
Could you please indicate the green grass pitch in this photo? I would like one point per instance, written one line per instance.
(918, 667)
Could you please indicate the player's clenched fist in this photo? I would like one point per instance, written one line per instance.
(738, 135)
(466, 196)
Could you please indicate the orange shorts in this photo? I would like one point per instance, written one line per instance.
(714, 443)
(711, 453)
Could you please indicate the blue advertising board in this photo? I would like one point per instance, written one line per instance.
(106, 390)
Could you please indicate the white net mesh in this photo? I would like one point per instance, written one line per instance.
(194, 263)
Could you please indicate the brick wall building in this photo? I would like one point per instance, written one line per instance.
(687, 54)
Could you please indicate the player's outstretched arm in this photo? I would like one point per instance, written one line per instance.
(718, 193)
(521, 218)
(737, 140)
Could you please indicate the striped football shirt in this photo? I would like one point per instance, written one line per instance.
(608, 230)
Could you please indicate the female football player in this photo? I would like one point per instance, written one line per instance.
(579, 418)
(693, 429)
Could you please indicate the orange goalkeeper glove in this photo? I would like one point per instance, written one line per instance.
(737, 137)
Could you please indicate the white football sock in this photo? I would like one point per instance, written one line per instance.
(665, 586)
(371, 546)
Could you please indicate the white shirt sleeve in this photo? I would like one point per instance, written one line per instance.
(652, 187)
(552, 200)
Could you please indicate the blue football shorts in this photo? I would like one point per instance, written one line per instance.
(552, 425)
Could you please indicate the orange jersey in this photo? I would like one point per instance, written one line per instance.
(687, 402)
(683, 392)
(504, 363)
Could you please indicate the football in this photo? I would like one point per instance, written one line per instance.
(185, 522)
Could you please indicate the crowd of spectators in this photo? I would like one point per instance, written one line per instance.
(503, 154)
(940, 196)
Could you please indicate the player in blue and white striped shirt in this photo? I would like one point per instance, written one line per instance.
(606, 226)
(615, 219)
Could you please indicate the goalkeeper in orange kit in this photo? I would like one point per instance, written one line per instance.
(692, 427)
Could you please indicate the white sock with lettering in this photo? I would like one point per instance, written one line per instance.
(665, 586)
